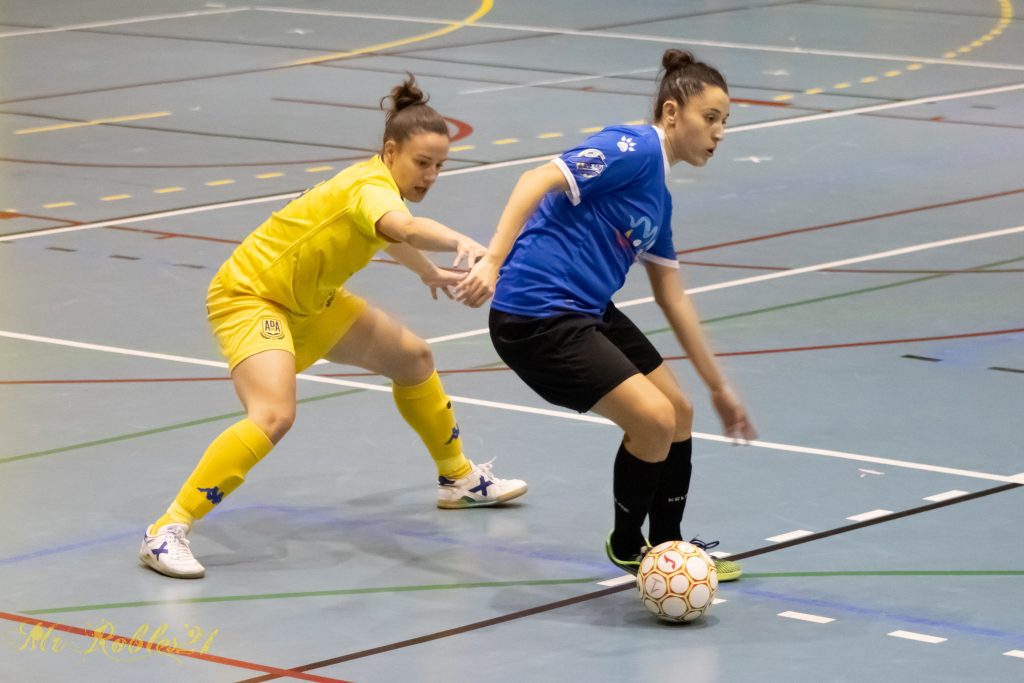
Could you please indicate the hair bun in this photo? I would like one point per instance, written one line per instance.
(676, 59)
(405, 95)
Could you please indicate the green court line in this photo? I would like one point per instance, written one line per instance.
(308, 594)
(911, 572)
(159, 430)
(839, 295)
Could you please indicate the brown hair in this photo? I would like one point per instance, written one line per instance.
(684, 78)
(409, 113)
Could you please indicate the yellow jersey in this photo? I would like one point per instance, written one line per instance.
(308, 249)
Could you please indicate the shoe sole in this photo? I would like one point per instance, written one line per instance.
(161, 569)
(463, 503)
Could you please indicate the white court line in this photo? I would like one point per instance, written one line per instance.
(512, 407)
(1015, 653)
(789, 536)
(791, 272)
(946, 495)
(813, 618)
(121, 22)
(920, 637)
(870, 514)
(618, 581)
(654, 39)
(517, 162)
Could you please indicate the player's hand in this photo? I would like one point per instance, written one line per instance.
(479, 285)
(735, 422)
(468, 251)
(442, 279)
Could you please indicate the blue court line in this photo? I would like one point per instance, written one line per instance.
(844, 607)
(326, 517)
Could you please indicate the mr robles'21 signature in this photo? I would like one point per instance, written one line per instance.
(105, 640)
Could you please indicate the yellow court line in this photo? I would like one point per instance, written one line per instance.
(319, 169)
(264, 176)
(58, 205)
(484, 8)
(94, 122)
(218, 183)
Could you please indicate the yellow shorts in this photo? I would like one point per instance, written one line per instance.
(245, 325)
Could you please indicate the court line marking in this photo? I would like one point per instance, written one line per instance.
(789, 536)
(788, 273)
(870, 514)
(93, 122)
(122, 22)
(658, 39)
(1015, 653)
(512, 407)
(920, 637)
(111, 637)
(507, 164)
(485, 7)
(945, 495)
(801, 616)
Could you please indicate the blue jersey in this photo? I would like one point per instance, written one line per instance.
(575, 250)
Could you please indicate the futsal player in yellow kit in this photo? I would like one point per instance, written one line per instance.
(278, 305)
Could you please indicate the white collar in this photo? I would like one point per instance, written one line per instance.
(664, 154)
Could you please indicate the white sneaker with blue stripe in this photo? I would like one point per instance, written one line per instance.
(168, 552)
(479, 488)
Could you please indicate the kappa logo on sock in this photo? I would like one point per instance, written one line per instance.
(214, 495)
(455, 435)
(271, 328)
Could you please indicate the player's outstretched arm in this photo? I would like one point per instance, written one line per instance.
(432, 276)
(529, 190)
(429, 235)
(682, 317)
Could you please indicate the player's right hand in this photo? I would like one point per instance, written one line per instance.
(479, 285)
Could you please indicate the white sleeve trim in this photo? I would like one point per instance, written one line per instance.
(660, 260)
(573, 193)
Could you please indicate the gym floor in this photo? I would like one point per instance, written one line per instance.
(856, 250)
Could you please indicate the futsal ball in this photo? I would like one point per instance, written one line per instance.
(677, 581)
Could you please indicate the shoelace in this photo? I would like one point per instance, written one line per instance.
(703, 545)
(485, 468)
(178, 546)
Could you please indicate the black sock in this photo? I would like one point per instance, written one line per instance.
(670, 496)
(633, 486)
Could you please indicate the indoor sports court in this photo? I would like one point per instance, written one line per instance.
(855, 250)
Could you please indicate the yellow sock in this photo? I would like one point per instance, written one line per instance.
(220, 471)
(427, 409)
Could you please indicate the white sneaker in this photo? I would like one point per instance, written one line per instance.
(168, 552)
(477, 489)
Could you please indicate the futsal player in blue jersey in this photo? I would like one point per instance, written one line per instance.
(567, 237)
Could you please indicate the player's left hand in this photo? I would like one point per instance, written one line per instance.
(442, 279)
(735, 422)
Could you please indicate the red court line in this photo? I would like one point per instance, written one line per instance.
(851, 221)
(757, 352)
(166, 649)
(241, 164)
(115, 381)
(850, 345)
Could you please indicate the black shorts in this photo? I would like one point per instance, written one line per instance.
(573, 360)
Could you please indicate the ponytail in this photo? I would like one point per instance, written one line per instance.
(684, 77)
(409, 113)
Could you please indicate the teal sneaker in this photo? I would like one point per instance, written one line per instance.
(629, 564)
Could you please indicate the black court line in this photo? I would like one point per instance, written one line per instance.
(927, 358)
(539, 609)
(1001, 369)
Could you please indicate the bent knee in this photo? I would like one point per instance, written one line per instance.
(274, 421)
